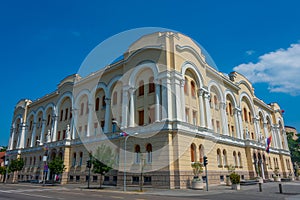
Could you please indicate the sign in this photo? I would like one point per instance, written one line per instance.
(44, 158)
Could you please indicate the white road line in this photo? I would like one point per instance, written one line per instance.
(37, 195)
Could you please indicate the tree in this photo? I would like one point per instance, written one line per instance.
(56, 166)
(103, 161)
(16, 165)
(2, 149)
(294, 147)
(2, 171)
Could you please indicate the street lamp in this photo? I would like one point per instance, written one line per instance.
(6, 165)
(125, 160)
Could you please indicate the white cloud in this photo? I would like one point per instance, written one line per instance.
(279, 69)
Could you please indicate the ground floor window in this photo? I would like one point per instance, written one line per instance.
(71, 178)
(106, 178)
(135, 180)
(147, 180)
(77, 178)
(95, 178)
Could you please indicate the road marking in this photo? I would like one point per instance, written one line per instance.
(42, 196)
(116, 197)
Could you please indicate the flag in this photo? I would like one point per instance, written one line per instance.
(268, 142)
(123, 134)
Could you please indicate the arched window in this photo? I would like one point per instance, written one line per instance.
(224, 158)
(216, 102)
(103, 101)
(240, 164)
(34, 160)
(193, 89)
(270, 163)
(115, 98)
(245, 115)
(97, 104)
(249, 114)
(74, 160)
(81, 108)
(66, 114)
(137, 152)
(219, 159)
(48, 120)
(30, 161)
(87, 107)
(230, 108)
(141, 88)
(61, 114)
(149, 153)
(151, 85)
(186, 86)
(201, 153)
(30, 126)
(193, 152)
(80, 159)
(235, 159)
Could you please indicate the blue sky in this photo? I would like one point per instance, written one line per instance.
(41, 42)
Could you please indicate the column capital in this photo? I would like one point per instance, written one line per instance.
(131, 90)
(200, 92)
(237, 110)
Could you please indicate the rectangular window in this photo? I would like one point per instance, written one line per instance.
(58, 135)
(195, 118)
(141, 117)
(106, 178)
(213, 124)
(77, 178)
(135, 180)
(102, 124)
(147, 180)
(232, 130)
(71, 178)
(66, 114)
(151, 115)
(64, 134)
(95, 178)
(187, 113)
(218, 126)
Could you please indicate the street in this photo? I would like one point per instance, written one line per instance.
(291, 191)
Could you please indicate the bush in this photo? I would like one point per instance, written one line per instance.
(234, 178)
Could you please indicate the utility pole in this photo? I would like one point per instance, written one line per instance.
(89, 165)
(205, 164)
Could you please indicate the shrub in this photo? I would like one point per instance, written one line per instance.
(234, 178)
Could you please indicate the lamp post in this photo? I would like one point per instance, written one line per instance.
(126, 138)
(6, 173)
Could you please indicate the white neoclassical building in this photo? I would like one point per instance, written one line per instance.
(176, 109)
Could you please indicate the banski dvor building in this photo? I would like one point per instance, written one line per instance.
(166, 107)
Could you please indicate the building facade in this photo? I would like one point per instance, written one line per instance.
(176, 109)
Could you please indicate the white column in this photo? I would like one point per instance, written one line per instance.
(285, 140)
(42, 139)
(179, 100)
(11, 139)
(157, 103)
(125, 108)
(107, 115)
(131, 108)
(236, 123)
(22, 135)
(90, 120)
(54, 128)
(183, 100)
(257, 129)
(73, 122)
(201, 107)
(166, 99)
(33, 134)
(239, 115)
(207, 109)
(224, 119)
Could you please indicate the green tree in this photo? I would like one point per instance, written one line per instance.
(294, 147)
(56, 166)
(3, 149)
(16, 165)
(103, 161)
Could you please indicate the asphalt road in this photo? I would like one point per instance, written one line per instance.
(291, 191)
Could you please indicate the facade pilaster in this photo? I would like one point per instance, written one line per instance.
(207, 108)
(33, 134)
(224, 118)
(201, 107)
(107, 115)
(157, 103)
